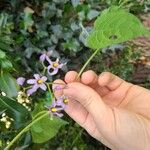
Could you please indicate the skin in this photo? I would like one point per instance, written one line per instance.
(113, 111)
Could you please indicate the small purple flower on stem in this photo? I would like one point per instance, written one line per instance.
(62, 102)
(54, 66)
(55, 110)
(20, 81)
(45, 56)
(38, 82)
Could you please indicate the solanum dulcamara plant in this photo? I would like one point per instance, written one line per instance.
(40, 82)
(115, 25)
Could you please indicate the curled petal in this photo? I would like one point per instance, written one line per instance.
(49, 61)
(31, 81)
(55, 71)
(43, 87)
(20, 81)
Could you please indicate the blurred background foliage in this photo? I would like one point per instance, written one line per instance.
(29, 27)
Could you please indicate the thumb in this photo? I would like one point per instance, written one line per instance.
(90, 99)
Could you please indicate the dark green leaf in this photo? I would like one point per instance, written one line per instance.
(6, 65)
(8, 84)
(14, 110)
(2, 54)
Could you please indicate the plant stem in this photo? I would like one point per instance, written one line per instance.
(49, 89)
(123, 3)
(39, 114)
(26, 129)
(87, 62)
(44, 68)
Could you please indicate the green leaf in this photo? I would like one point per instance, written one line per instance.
(113, 26)
(14, 110)
(4, 46)
(8, 84)
(6, 65)
(46, 128)
(2, 54)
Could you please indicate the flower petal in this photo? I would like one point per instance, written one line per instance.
(57, 60)
(49, 53)
(61, 103)
(58, 114)
(31, 91)
(44, 78)
(55, 70)
(49, 61)
(36, 76)
(42, 57)
(20, 81)
(43, 86)
(31, 81)
(60, 65)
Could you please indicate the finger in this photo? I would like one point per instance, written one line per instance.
(90, 78)
(88, 99)
(79, 114)
(71, 76)
(111, 81)
(57, 87)
(76, 111)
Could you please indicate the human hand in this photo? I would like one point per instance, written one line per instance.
(112, 110)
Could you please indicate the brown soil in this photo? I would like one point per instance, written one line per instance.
(142, 66)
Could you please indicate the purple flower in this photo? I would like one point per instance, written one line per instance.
(55, 110)
(62, 102)
(20, 81)
(54, 66)
(38, 82)
(45, 56)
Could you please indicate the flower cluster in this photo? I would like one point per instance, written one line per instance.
(5, 119)
(58, 105)
(40, 81)
(23, 99)
(53, 66)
